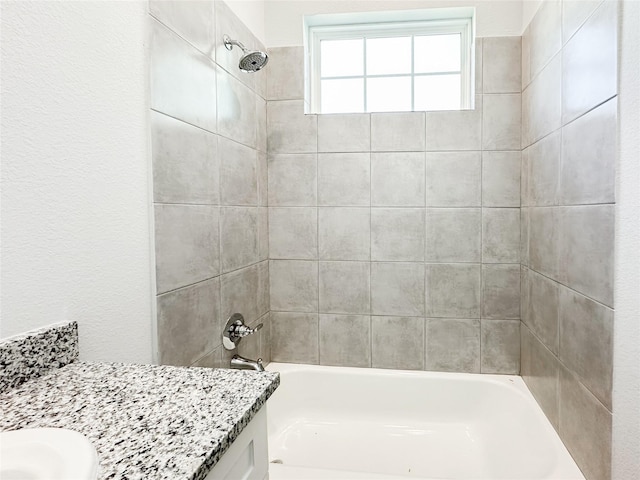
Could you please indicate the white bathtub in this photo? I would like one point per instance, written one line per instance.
(370, 424)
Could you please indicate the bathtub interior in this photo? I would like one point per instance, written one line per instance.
(410, 424)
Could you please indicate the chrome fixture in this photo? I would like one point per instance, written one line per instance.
(235, 330)
(245, 364)
(251, 60)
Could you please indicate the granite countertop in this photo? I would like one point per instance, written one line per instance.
(146, 421)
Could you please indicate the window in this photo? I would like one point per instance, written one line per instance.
(390, 66)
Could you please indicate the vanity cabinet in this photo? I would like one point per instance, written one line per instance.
(247, 457)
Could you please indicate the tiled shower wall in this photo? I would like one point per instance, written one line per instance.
(395, 237)
(569, 139)
(208, 130)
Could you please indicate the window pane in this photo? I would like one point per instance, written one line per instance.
(388, 55)
(437, 53)
(392, 94)
(437, 92)
(341, 58)
(342, 96)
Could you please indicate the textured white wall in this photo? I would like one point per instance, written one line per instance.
(283, 18)
(75, 201)
(626, 371)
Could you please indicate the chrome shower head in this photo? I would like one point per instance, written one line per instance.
(251, 61)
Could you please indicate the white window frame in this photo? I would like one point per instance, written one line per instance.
(317, 33)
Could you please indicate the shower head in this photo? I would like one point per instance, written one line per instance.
(251, 60)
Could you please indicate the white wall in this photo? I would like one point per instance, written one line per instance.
(283, 18)
(251, 12)
(75, 201)
(626, 372)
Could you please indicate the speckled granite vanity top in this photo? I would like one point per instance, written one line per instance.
(146, 421)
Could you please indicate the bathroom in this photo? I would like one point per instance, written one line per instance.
(151, 189)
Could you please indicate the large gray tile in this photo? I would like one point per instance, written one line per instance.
(344, 233)
(344, 287)
(501, 69)
(398, 179)
(591, 54)
(589, 156)
(292, 180)
(543, 309)
(238, 173)
(294, 337)
(453, 290)
(540, 371)
(243, 291)
(544, 241)
(293, 233)
(453, 345)
(524, 236)
(185, 162)
(500, 346)
(290, 130)
(398, 132)
(526, 56)
(344, 179)
(186, 244)
(589, 442)
(397, 288)
(345, 340)
(455, 130)
(454, 179)
(587, 250)
(188, 323)
(524, 179)
(542, 103)
(344, 133)
(182, 80)
(261, 124)
(213, 359)
(574, 14)
(397, 342)
(263, 179)
(501, 179)
(238, 237)
(478, 64)
(285, 79)
(546, 34)
(586, 342)
(294, 285)
(501, 122)
(263, 233)
(544, 170)
(193, 21)
(453, 235)
(236, 110)
(501, 291)
(501, 235)
(397, 234)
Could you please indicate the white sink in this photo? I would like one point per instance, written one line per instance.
(47, 453)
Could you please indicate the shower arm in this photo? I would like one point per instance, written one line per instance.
(229, 43)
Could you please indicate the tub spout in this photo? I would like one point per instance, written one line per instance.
(246, 364)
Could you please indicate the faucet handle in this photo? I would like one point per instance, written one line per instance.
(235, 330)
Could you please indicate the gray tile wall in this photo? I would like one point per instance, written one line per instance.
(208, 131)
(394, 238)
(569, 108)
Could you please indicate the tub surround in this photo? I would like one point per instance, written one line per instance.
(145, 421)
(36, 353)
